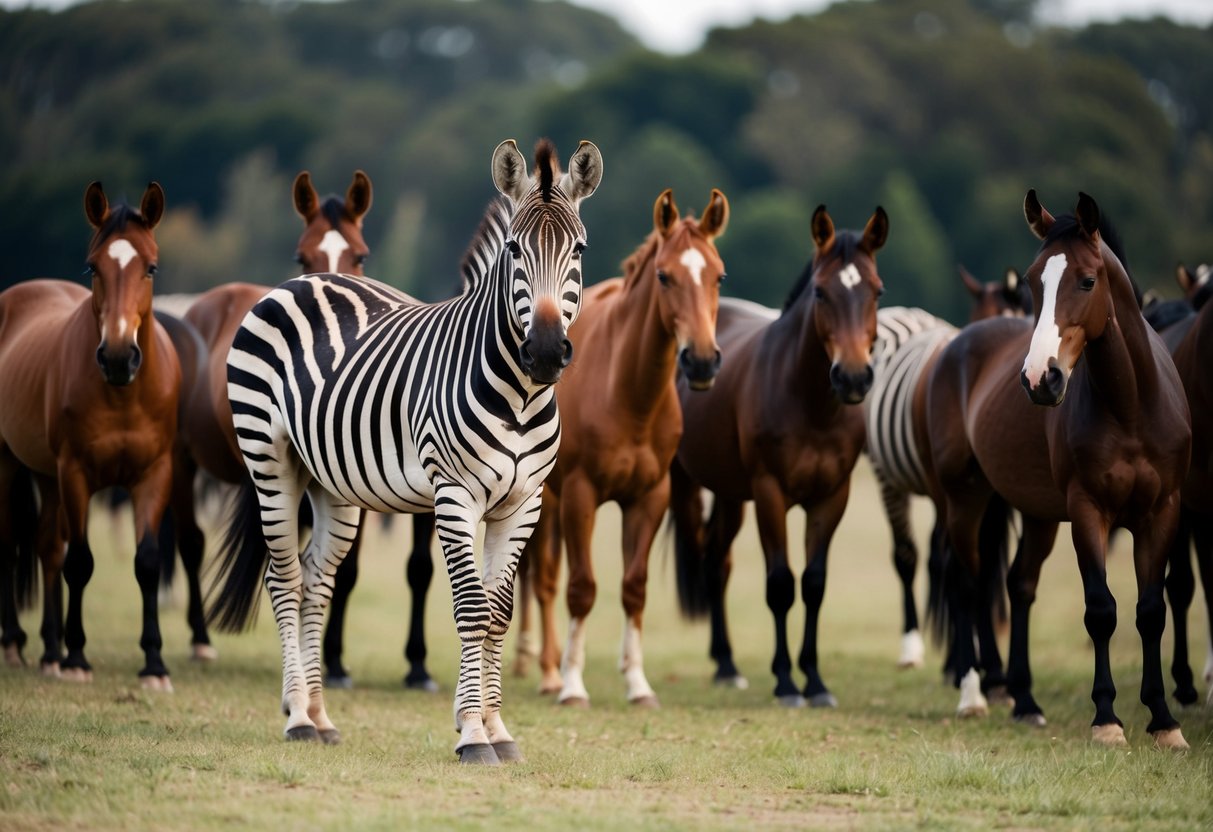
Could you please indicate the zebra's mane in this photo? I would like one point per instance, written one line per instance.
(546, 164)
(487, 243)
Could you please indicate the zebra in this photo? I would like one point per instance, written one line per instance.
(363, 398)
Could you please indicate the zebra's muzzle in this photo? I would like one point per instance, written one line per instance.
(544, 354)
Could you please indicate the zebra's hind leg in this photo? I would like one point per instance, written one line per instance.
(335, 528)
(905, 561)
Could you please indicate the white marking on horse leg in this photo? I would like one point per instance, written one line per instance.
(122, 251)
(972, 702)
(695, 264)
(912, 650)
(333, 244)
(1209, 669)
(631, 664)
(574, 664)
(1046, 339)
(850, 276)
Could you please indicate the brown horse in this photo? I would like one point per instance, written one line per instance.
(779, 427)
(1109, 447)
(90, 381)
(620, 426)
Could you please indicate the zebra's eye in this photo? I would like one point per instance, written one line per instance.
(578, 248)
(514, 248)
(1087, 283)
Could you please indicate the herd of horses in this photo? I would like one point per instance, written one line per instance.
(1079, 412)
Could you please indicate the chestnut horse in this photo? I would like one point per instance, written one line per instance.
(89, 382)
(620, 426)
(780, 427)
(1102, 439)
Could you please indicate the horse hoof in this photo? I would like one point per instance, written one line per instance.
(426, 685)
(330, 736)
(1110, 735)
(582, 702)
(52, 670)
(76, 674)
(521, 668)
(478, 754)
(646, 702)
(12, 656)
(339, 682)
(825, 699)
(1170, 738)
(158, 683)
(998, 695)
(507, 752)
(736, 681)
(204, 653)
(973, 711)
(551, 683)
(1031, 720)
(791, 700)
(912, 651)
(302, 733)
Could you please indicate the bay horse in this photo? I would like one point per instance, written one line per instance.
(780, 427)
(620, 426)
(1101, 439)
(90, 383)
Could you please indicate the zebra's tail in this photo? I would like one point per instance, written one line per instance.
(23, 505)
(242, 562)
(686, 524)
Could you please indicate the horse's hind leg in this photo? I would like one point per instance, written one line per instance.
(722, 529)
(542, 554)
(49, 546)
(1202, 536)
(192, 544)
(1181, 587)
(336, 675)
(420, 574)
(12, 637)
(1034, 547)
(905, 561)
(149, 498)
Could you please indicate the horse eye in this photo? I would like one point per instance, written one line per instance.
(1088, 283)
(152, 269)
(89, 270)
(663, 278)
(360, 260)
(819, 293)
(299, 259)
(880, 292)
(720, 279)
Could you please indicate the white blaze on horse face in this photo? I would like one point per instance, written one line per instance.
(695, 264)
(1046, 339)
(850, 276)
(122, 251)
(333, 244)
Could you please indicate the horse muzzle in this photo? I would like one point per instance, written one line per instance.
(1051, 389)
(119, 364)
(700, 372)
(545, 353)
(851, 386)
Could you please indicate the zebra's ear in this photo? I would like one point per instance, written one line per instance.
(585, 172)
(509, 171)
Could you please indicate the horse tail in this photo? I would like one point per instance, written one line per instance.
(23, 506)
(243, 558)
(686, 525)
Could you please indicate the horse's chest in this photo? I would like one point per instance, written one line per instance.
(815, 468)
(626, 470)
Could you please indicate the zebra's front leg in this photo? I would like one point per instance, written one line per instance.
(336, 525)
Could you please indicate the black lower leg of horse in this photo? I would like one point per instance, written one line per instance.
(147, 573)
(1202, 537)
(11, 634)
(991, 580)
(1151, 619)
(419, 571)
(812, 589)
(192, 543)
(781, 594)
(1021, 587)
(905, 560)
(1181, 587)
(960, 583)
(334, 630)
(722, 528)
(1100, 620)
(77, 571)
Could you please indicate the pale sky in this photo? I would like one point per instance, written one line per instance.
(680, 25)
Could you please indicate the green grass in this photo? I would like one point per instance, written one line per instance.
(111, 756)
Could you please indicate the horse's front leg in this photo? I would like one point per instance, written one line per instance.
(1181, 586)
(1090, 533)
(420, 573)
(771, 508)
(456, 514)
(192, 543)
(821, 521)
(149, 498)
(504, 539)
(578, 504)
(1202, 538)
(641, 519)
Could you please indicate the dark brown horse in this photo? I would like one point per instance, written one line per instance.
(779, 427)
(620, 426)
(89, 382)
(1101, 439)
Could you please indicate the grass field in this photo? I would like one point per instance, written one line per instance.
(111, 756)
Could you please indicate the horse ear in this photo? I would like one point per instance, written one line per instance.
(876, 231)
(152, 206)
(1039, 220)
(1088, 214)
(509, 171)
(358, 197)
(96, 206)
(823, 229)
(716, 216)
(1010, 281)
(972, 284)
(585, 172)
(665, 212)
(307, 201)
(1184, 278)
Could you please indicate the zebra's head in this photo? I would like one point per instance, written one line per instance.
(546, 238)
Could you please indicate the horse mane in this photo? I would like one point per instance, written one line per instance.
(334, 210)
(545, 162)
(120, 216)
(846, 243)
(635, 262)
(1066, 226)
(487, 243)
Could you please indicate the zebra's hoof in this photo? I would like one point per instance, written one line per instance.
(478, 754)
(507, 752)
(825, 699)
(1171, 739)
(426, 685)
(302, 733)
(736, 681)
(330, 737)
(1110, 735)
(791, 700)
(339, 682)
(1036, 720)
(648, 702)
(204, 653)
(582, 702)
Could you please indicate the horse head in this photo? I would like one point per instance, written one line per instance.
(545, 240)
(689, 271)
(332, 235)
(122, 262)
(1006, 298)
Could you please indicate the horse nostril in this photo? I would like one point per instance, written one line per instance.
(1055, 379)
(716, 361)
(869, 375)
(684, 359)
(101, 355)
(567, 356)
(136, 358)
